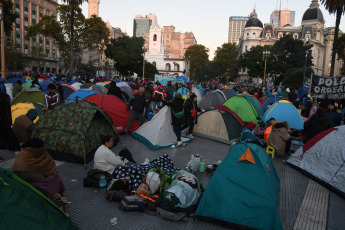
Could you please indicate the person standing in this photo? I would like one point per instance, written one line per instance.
(332, 114)
(190, 113)
(177, 116)
(51, 97)
(316, 124)
(138, 104)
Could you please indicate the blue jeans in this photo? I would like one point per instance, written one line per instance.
(177, 131)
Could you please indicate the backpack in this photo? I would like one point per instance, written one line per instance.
(92, 179)
(133, 203)
(125, 153)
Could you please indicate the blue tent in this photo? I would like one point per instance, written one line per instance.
(44, 85)
(71, 82)
(284, 111)
(244, 189)
(60, 82)
(256, 104)
(67, 90)
(80, 95)
(183, 91)
(14, 80)
(270, 101)
(183, 78)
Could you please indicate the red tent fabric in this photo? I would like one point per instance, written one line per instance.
(115, 108)
(262, 100)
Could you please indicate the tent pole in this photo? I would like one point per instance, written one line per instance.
(84, 155)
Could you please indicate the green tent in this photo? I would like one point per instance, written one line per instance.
(245, 108)
(29, 95)
(24, 207)
(244, 189)
(72, 131)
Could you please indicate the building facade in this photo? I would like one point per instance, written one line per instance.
(236, 27)
(166, 49)
(142, 24)
(312, 30)
(93, 7)
(281, 18)
(30, 13)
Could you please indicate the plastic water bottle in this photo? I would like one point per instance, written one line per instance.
(102, 181)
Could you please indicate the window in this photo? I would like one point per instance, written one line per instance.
(167, 67)
(155, 37)
(176, 67)
(254, 35)
(245, 48)
(268, 36)
(247, 35)
(295, 36)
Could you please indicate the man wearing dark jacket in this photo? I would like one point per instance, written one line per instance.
(138, 103)
(177, 116)
(316, 124)
(115, 90)
(333, 115)
(190, 109)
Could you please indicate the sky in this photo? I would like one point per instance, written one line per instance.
(207, 19)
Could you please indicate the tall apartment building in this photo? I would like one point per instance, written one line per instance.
(142, 24)
(30, 13)
(236, 27)
(93, 8)
(280, 18)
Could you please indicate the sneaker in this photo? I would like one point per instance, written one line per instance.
(190, 136)
(179, 143)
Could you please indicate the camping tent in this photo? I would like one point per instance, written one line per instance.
(72, 131)
(270, 101)
(9, 88)
(80, 95)
(116, 109)
(243, 107)
(67, 90)
(29, 95)
(228, 93)
(44, 85)
(24, 207)
(77, 85)
(14, 80)
(183, 91)
(284, 111)
(323, 157)
(212, 100)
(122, 83)
(158, 133)
(256, 104)
(249, 191)
(220, 124)
(99, 89)
(26, 85)
(22, 108)
(128, 91)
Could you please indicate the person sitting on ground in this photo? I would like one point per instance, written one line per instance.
(177, 116)
(16, 88)
(316, 124)
(260, 129)
(23, 125)
(51, 97)
(267, 132)
(105, 159)
(332, 114)
(279, 138)
(34, 165)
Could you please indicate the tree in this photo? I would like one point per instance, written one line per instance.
(197, 58)
(336, 7)
(14, 57)
(9, 16)
(73, 7)
(341, 52)
(225, 58)
(37, 53)
(96, 33)
(127, 54)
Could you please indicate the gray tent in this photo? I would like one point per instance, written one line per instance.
(323, 157)
(212, 100)
(100, 89)
(127, 90)
(228, 94)
(198, 93)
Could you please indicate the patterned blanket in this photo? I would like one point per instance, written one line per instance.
(136, 173)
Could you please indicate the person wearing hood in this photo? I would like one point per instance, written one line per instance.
(177, 116)
(316, 124)
(279, 138)
(332, 114)
(115, 90)
(24, 125)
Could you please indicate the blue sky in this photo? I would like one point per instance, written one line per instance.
(207, 19)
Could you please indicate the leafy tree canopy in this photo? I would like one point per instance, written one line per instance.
(225, 58)
(197, 58)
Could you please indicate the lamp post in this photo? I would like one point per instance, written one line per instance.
(305, 65)
(144, 50)
(3, 70)
(266, 54)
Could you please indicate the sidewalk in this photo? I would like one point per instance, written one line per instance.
(303, 204)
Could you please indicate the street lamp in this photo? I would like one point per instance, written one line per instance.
(266, 54)
(305, 66)
(3, 70)
(144, 50)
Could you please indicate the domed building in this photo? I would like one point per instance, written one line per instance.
(312, 30)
